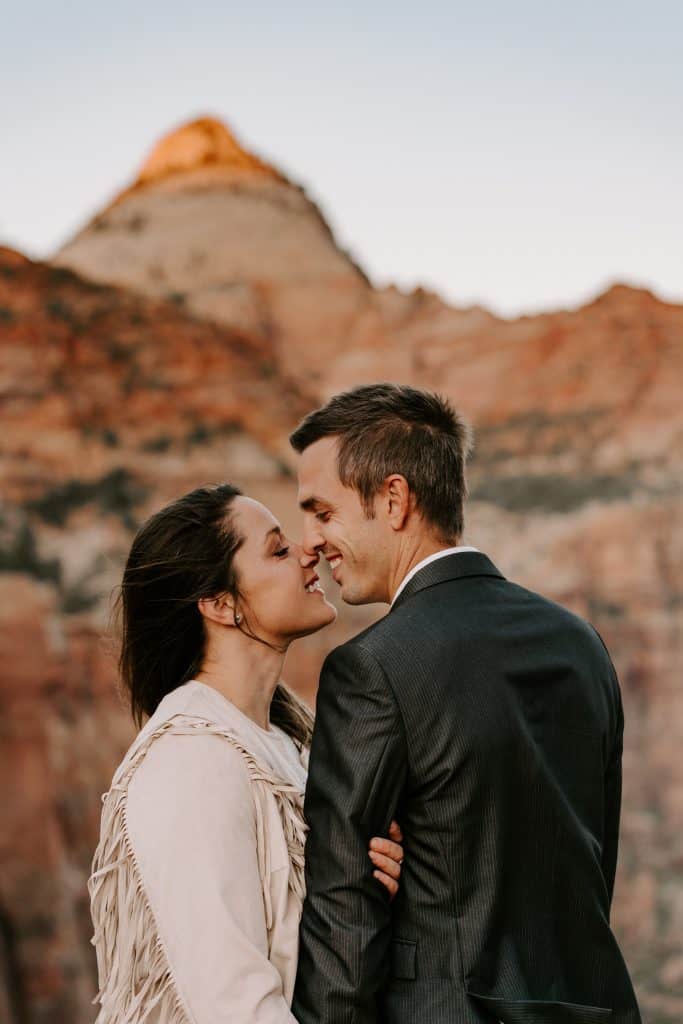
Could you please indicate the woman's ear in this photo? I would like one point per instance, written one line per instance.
(219, 609)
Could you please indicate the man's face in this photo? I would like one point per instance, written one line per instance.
(358, 549)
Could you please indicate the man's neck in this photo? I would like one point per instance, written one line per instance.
(441, 551)
(412, 557)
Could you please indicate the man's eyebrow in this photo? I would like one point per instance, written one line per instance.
(308, 504)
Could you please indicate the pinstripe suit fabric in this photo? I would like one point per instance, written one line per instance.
(488, 720)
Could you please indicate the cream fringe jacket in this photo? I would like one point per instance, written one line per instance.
(197, 882)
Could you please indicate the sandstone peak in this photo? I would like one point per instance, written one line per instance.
(622, 294)
(204, 142)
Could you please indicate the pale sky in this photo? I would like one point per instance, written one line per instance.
(519, 155)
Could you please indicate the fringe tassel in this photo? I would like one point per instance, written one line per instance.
(134, 973)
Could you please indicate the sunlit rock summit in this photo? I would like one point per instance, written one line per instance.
(216, 229)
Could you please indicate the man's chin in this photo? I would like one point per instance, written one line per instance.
(354, 596)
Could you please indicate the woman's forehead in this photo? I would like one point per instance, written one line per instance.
(253, 515)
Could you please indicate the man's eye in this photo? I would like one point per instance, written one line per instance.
(282, 552)
(322, 516)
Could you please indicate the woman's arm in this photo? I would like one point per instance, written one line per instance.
(387, 858)
(191, 821)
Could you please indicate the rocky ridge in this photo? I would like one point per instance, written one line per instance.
(118, 399)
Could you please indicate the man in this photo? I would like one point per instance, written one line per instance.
(482, 716)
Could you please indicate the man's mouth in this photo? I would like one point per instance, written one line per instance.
(334, 562)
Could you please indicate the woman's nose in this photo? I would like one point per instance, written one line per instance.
(307, 559)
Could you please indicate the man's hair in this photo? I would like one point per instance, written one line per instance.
(393, 428)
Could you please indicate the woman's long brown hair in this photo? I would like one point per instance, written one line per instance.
(181, 554)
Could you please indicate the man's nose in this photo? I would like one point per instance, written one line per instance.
(312, 542)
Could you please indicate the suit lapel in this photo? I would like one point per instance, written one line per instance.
(450, 567)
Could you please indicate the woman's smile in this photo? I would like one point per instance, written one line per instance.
(313, 586)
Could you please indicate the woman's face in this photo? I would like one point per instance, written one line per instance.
(280, 596)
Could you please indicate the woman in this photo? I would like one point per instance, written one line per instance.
(197, 881)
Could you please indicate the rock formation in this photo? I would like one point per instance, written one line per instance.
(212, 227)
(112, 405)
(218, 309)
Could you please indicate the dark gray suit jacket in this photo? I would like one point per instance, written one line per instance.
(488, 721)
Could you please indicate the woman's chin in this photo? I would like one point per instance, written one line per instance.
(328, 615)
(325, 615)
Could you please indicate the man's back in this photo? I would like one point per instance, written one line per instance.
(508, 794)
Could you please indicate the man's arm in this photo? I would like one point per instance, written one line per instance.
(357, 770)
(610, 843)
(612, 780)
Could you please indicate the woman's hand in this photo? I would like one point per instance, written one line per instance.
(387, 856)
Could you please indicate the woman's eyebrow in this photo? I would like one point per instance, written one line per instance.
(274, 531)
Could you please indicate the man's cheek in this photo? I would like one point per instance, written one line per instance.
(341, 545)
(331, 533)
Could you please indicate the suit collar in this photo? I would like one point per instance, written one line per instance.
(451, 567)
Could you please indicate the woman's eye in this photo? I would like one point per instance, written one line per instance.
(282, 552)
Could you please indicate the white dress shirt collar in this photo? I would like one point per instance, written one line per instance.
(427, 560)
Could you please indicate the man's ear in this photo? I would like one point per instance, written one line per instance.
(219, 609)
(398, 500)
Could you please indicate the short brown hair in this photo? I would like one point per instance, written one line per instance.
(394, 428)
